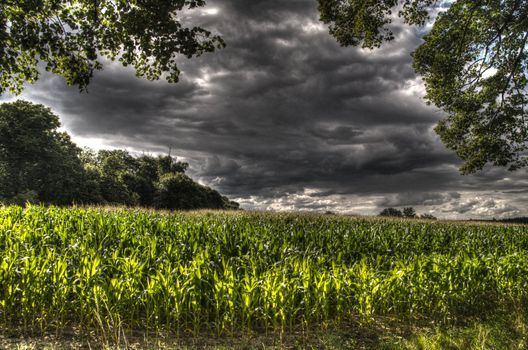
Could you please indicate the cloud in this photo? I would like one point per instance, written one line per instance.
(491, 206)
(407, 199)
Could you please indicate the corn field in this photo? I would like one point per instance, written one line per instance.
(221, 272)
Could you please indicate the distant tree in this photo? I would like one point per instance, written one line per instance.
(517, 220)
(124, 179)
(91, 189)
(474, 62)
(178, 191)
(38, 163)
(230, 205)
(427, 216)
(409, 212)
(391, 212)
(69, 36)
(117, 177)
(143, 178)
(149, 181)
(166, 164)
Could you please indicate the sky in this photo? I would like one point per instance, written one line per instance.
(284, 118)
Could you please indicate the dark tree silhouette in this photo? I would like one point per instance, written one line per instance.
(409, 212)
(427, 217)
(391, 212)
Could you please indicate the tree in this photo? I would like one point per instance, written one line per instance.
(409, 212)
(147, 173)
(37, 162)
(427, 216)
(391, 212)
(117, 169)
(91, 190)
(148, 181)
(474, 63)
(166, 164)
(69, 36)
(145, 178)
(178, 191)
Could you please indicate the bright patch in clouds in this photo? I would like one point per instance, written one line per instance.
(210, 11)
(314, 27)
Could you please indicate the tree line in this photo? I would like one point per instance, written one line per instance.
(408, 212)
(40, 164)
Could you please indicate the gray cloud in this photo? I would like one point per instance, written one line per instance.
(406, 199)
(284, 118)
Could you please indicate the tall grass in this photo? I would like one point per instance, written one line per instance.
(117, 269)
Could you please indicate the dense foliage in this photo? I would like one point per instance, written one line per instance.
(116, 177)
(69, 36)
(36, 159)
(391, 212)
(408, 212)
(123, 270)
(38, 163)
(474, 63)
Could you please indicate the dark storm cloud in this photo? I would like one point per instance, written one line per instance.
(284, 118)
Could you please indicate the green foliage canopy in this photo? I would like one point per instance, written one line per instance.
(474, 64)
(37, 162)
(157, 182)
(177, 190)
(70, 35)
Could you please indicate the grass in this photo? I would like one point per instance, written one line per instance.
(119, 277)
